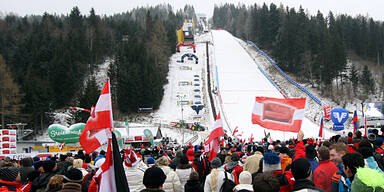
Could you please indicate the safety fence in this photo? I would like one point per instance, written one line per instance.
(318, 101)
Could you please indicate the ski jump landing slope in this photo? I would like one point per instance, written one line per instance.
(239, 81)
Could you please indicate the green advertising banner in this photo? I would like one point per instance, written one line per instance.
(63, 134)
(148, 135)
(119, 138)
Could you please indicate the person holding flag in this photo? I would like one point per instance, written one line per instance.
(98, 131)
(213, 143)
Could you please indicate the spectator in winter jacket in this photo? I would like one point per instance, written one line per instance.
(266, 182)
(172, 183)
(94, 185)
(101, 155)
(284, 158)
(153, 180)
(302, 172)
(193, 184)
(336, 152)
(215, 179)
(72, 181)
(25, 168)
(183, 171)
(322, 176)
(245, 182)
(133, 171)
(78, 164)
(55, 183)
(234, 167)
(366, 149)
(203, 167)
(252, 163)
(41, 182)
(351, 162)
(271, 164)
(367, 180)
(311, 154)
(10, 179)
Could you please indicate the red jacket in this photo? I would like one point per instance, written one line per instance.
(6, 185)
(299, 150)
(322, 175)
(236, 172)
(286, 182)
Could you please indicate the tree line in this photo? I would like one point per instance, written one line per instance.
(48, 60)
(313, 48)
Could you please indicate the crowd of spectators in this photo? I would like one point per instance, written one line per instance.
(339, 164)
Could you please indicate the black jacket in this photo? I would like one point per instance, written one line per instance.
(305, 184)
(193, 186)
(41, 182)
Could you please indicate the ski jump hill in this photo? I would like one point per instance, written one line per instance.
(239, 80)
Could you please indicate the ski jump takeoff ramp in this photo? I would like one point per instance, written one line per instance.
(239, 81)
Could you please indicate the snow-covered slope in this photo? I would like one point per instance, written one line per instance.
(239, 81)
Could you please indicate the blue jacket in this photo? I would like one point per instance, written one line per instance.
(314, 164)
(371, 163)
(339, 182)
(97, 158)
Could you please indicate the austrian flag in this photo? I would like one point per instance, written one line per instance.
(97, 130)
(279, 114)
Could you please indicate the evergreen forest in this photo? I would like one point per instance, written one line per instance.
(315, 49)
(47, 61)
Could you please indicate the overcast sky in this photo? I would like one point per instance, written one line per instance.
(373, 8)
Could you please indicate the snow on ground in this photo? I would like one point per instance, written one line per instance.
(234, 72)
(239, 81)
(186, 87)
(313, 111)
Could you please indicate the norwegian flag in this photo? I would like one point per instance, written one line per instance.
(279, 114)
(61, 146)
(97, 130)
(235, 131)
(213, 143)
(112, 173)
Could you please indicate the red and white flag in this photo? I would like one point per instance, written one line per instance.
(327, 111)
(166, 155)
(80, 109)
(61, 146)
(235, 131)
(213, 143)
(97, 130)
(112, 173)
(279, 114)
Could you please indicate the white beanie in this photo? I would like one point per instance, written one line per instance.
(245, 178)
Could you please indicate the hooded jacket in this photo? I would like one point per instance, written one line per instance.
(193, 186)
(183, 175)
(252, 163)
(172, 182)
